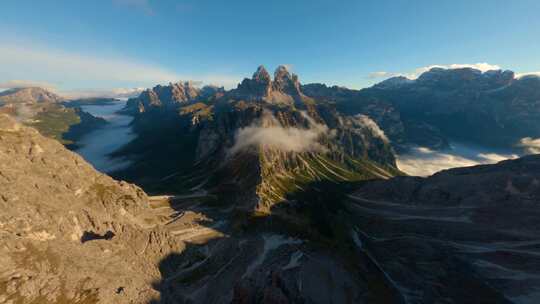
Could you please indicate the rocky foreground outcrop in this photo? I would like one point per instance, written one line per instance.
(69, 234)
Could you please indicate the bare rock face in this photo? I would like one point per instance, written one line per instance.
(67, 232)
(283, 89)
(170, 96)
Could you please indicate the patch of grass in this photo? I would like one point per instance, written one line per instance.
(54, 121)
(199, 111)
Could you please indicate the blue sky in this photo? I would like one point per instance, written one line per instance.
(106, 45)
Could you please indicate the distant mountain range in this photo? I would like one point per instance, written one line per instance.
(259, 142)
(493, 108)
(198, 126)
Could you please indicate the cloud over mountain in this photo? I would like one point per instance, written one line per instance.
(368, 123)
(531, 145)
(423, 161)
(288, 139)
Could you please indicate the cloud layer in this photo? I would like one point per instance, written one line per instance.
(278, 137)
(530, 145)
(423, 161)
(371, 125)
(55, 68)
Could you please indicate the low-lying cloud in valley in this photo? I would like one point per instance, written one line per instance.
(279, 137)
(371, 125)
(421, 161)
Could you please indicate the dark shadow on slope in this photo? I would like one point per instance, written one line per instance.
(92, 236)
(316, 215)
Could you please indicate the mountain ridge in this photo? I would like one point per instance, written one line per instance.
(302, 140)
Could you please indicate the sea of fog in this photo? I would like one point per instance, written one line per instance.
(421, 161)
(97, 145)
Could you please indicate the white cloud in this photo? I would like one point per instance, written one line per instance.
(67, 69)
(270, 133)
(367, 122)
(47, 61)
(423, 161)
(530, 145)
(17, 84)
(520, 75)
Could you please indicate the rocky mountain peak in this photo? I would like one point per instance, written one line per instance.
(283, 89)
(262, 75)
(285, 81)
(282, 74)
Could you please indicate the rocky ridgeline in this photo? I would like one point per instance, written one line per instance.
(170, 96)
(69, 234)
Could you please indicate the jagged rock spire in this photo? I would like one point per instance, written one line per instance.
(261, 75)
(282, 74)
(284, 88)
